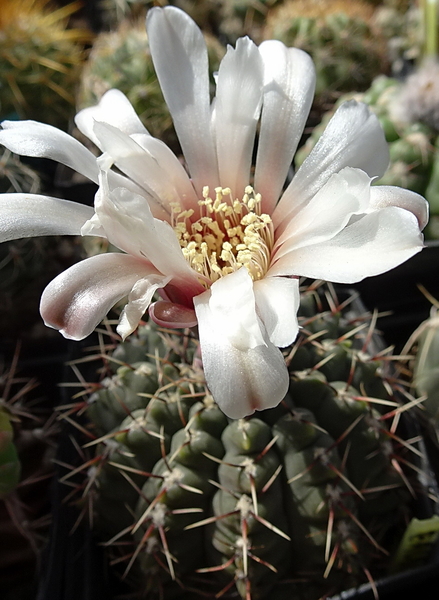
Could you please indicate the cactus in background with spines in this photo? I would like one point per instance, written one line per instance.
(40, 61)
(28, 434)
(236, 18)
(15, 176)
(347, 49)
(209, 504)
(423, 345)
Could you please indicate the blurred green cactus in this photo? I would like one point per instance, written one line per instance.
(40, 61)
(424, 342)
(347, 49)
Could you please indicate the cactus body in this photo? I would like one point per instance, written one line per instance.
(347, 51)
(426, 365)
(254, 505)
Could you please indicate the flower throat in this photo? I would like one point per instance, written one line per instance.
(229, 234)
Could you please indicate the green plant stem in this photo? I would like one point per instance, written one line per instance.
(430, 20)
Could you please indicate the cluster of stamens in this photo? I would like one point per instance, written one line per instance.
(228, 234)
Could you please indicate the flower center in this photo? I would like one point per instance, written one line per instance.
(229, 234)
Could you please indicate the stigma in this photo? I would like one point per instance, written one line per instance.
(226, 235)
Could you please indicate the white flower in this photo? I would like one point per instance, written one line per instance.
(221, 254)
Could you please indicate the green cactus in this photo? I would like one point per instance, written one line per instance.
(236, 18)
(347, 50)
(400, 21)
(190, 500)
(113, 12)
(40, 61)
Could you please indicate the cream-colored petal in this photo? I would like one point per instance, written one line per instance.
(139, 300)
(289, 83)
(382, 196)
(244, 370)
(30, 138)
(130, 225)
(352, 138)
(370, 245)
(31, 215)
(180, 59)
(345, 193)
(277, 301)
(237, 109)
(78, 299)
(113, 108)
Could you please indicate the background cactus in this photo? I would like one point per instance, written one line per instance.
(15, 176)
(401, 24)
(40, 60)
(347, 49)
(301, 499)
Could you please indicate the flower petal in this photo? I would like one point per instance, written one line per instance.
(237, 108)
(244, 370)
(277, 302)
(129, 224)
(180, 59)
(30, 138)
(288, 94)
(353, 138)
(113, 108)
(170, 314)
(171, 168)
(78, 299)
(139, 300)
(30, 215)
(373, 244)
(386, 195)
(344, 194)
(139, 165)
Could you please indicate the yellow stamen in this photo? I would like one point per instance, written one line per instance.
(228, 234)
